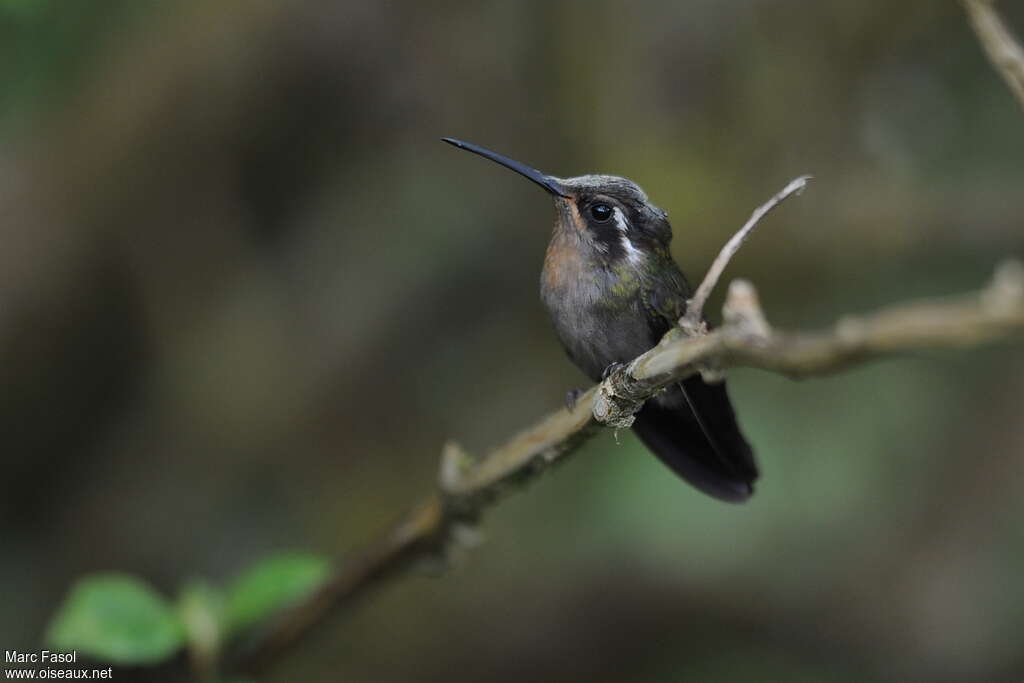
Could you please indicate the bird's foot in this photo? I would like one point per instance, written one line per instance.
(571, 397)
(612, 367)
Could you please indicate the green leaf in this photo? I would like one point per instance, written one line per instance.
(270, 585)
(116, 618)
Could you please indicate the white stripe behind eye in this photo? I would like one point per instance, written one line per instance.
(632, 253)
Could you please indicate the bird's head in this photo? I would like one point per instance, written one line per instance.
(607, 215)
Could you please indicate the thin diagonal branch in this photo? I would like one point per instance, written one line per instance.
(695, 307)
(1002, 48)
(468, 485)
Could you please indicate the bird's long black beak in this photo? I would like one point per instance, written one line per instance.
(545, 181)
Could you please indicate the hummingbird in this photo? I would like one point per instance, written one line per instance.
(613, 290)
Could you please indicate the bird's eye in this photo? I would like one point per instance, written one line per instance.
(601, 212)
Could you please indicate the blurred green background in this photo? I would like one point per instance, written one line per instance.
(246, 294)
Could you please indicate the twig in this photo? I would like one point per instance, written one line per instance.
(745, 339)
(692, 319)
(1003, 50)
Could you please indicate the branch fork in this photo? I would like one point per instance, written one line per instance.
(620, 397)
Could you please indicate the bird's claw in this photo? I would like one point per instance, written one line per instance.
(612, 367)
(571, 397)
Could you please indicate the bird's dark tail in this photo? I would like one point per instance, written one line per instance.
(693, 430)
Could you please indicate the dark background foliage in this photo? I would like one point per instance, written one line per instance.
(246, 294)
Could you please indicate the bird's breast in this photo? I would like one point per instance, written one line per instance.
(597, 312)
